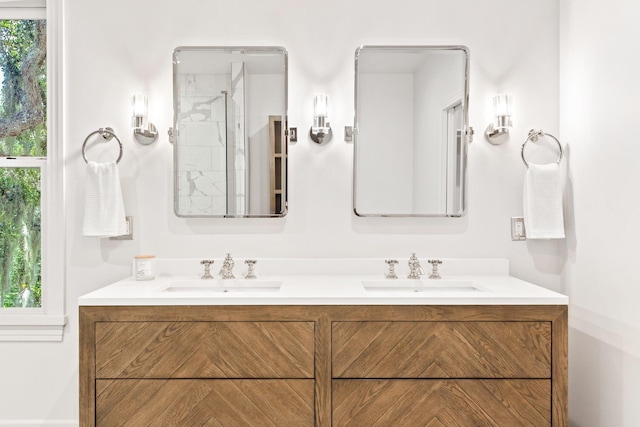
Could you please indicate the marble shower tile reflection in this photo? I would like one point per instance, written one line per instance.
(202, 108)
(202, 205)
(210, 134)
(206, 84)
(202, 193)
(197, 183)
(195, 158)
(218, 159)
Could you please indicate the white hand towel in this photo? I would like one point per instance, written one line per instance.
(103, 206)
(543, 217)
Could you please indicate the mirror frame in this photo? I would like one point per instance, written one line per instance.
(284, 129)
(466, 134)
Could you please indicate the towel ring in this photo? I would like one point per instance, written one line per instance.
(533, 136)
(107, 134)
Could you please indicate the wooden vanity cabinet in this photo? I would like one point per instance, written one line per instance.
(323, 365)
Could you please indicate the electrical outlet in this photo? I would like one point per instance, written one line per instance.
(518, 231)
(129, 233)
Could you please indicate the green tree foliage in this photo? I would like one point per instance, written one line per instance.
(23, 121)
(23, 132)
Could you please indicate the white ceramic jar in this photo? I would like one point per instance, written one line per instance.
(144, 267)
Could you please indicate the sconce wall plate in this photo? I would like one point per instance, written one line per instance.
(321, 135)
(146, 136)
(497, 135)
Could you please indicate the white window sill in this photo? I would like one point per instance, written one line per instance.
(32, 327)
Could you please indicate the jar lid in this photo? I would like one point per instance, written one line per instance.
(144, 256)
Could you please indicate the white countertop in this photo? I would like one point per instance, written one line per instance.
(464, 282)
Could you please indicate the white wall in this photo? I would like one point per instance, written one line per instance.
(120, 47)
(261, 88)
(385, 165)
(438, 84)
(599, 110)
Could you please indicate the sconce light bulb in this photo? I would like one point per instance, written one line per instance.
(320, 131)
(140, 111)
(502, 105)
(140, 105)
(320, 105)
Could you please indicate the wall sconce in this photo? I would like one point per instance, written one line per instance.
(143, 131)
(502, 107)
(321, 130)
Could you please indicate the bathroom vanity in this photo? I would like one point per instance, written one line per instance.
(324, 350)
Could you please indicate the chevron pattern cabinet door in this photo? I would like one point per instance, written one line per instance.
(435, 403)
(204, 350)
(235, 403)
(441, 349)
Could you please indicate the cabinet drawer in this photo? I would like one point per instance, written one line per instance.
(204, 350)
(204, 402)
(451, 403)
(441, 350)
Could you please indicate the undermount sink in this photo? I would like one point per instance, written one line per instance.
(417, 285)
(231, 285)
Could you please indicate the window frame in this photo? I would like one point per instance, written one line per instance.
(47, 322)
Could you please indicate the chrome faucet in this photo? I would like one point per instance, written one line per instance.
(226, 272)
(415, 269)
(207, 268)
(250, 264)
(434, 269)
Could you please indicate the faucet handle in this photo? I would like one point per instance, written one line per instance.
(434, 268)
(207, 268)
(391, 274)
(250, 264)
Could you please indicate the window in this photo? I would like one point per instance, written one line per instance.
(31, 202)
(23, 144)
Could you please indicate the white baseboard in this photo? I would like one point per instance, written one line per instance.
(40, 423)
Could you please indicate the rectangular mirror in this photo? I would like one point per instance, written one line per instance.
(411, 117)
(229, 131)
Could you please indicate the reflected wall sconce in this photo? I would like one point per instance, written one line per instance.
(502, 107)
(320, 132)
(143, 131)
